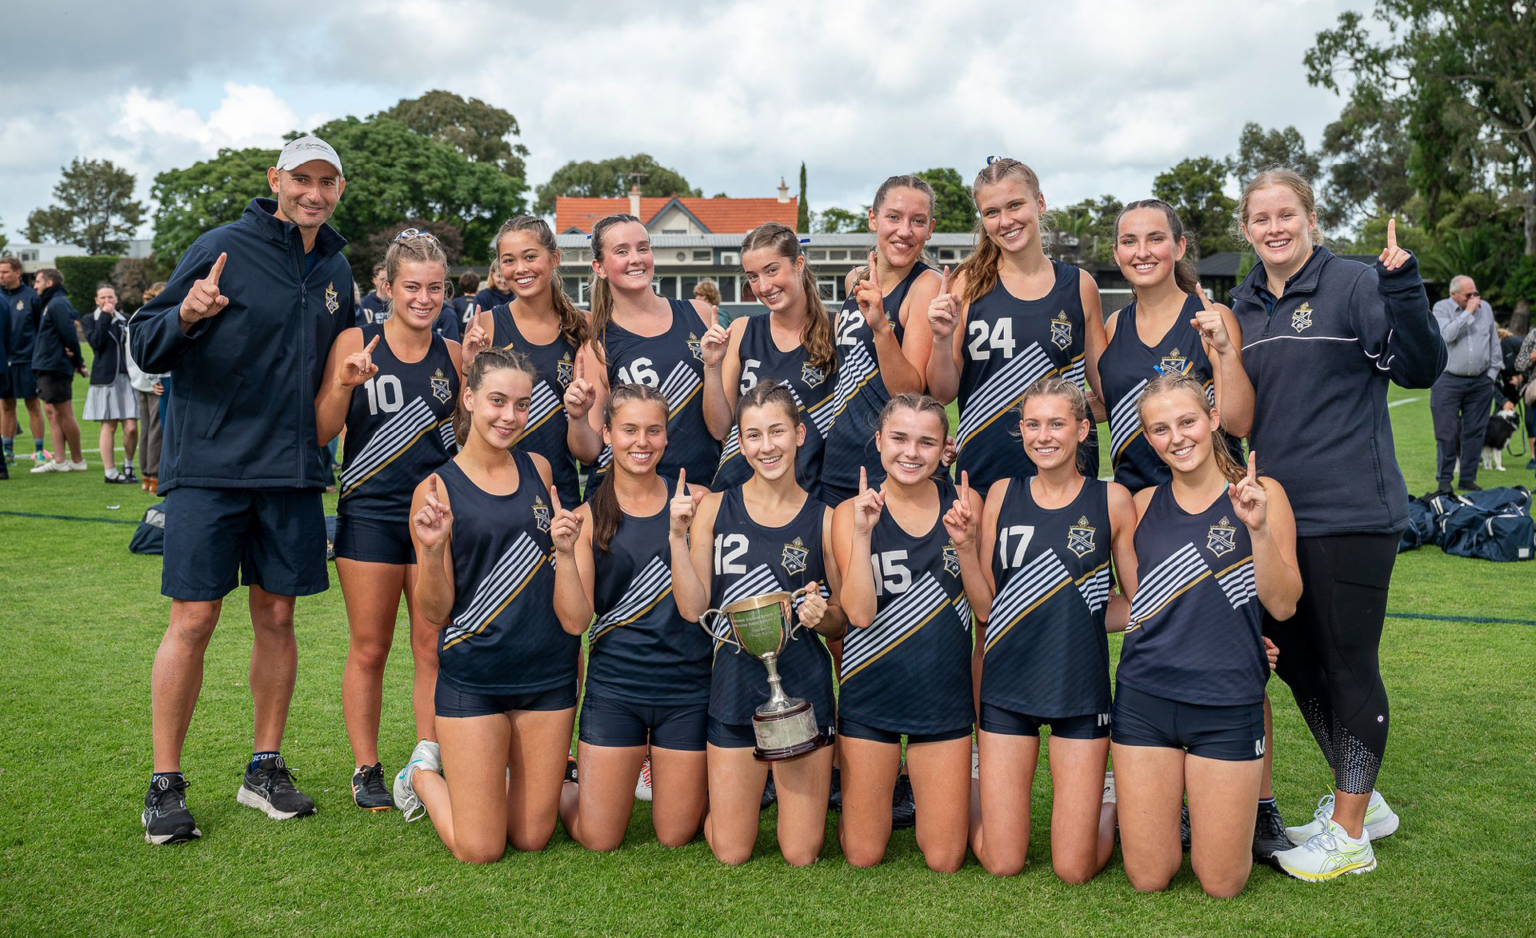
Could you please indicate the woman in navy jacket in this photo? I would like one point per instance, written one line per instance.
(1322, 336)
(56, 359)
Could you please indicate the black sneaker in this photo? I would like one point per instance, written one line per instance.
(1269, 835)
(166, 819)
(368, 788)
(570, 769)
(1471, 487)
(903, 807)
(835, 796)
(770, 794)
(1184, 826)
(269, 788)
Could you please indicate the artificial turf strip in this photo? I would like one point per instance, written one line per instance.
(82, 619)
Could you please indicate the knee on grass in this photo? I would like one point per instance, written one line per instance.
(1074, 872)
(944, 861)
(1008, 865)
(1149, 881)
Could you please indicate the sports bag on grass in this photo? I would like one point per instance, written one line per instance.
(149, 536)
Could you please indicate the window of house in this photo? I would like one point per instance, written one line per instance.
(575, 288)
(838, 256)
(702, 257)
(666, 286)
(828, 288)
(676, 231)
(818, 255)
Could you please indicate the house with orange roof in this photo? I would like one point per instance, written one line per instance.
(678, 215)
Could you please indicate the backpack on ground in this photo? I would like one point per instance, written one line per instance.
(149, 536)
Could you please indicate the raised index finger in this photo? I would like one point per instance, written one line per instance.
(965, 488)
(218, 269)
(1205, 301)
(682, 481)
(1392, 234)
(373, 345)
(944, 281)
(863, 480)
(874, 269)
(1253, 466)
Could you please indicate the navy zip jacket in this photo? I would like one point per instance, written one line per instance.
(241, 411)
(56, 335)
(105, 333)
(24, 307)
(1320, 358)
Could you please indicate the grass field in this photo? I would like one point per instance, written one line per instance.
(82, 618)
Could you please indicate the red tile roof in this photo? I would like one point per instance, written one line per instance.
(720, 216)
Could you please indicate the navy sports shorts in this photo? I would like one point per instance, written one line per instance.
(995, 719)
(55, 387)
(217, 539)
(609, 722)
(849, 728)
(372, 541)
(23, 384)
(1229, 733)
(451, 700)
(740, 735)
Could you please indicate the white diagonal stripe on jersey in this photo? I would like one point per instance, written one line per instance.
(1238, 582)
(511, 571)
(445, 431)
(679, 386)
(1032, 583)
(1125, 418)
(1001, 391)
(390, 438)
(1077, 373)
(896, 621)
(648, 587)
(542, 404)
(1095, 588)
(822, 413)
(1179, 571)
(855, 371)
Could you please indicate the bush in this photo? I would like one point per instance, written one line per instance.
(81, 274)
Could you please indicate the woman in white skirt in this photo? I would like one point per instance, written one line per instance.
(111, 399)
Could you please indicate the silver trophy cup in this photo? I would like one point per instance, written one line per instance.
(761, 626)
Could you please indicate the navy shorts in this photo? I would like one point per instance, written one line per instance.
(1229, 733)
(369, 540)
(23, 385)
(55, 387)
(847, 727)
(451, 700)
(609, 722)
(740, 735)
(995, 719)
(217, 539)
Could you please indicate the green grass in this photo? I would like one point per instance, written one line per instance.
(82, 618)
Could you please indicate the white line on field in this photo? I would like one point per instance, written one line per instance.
(1406, 400)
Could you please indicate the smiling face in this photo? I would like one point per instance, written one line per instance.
(775, 279)
(1278, 227)
(307, 194)
(770, 437)
(902, 224)
(910, 444)
(1146, 249)
(637, 433)
(524, 264)
(1180, 427)
(1010, 213)
(498, 409)
(417, 292)
(626, 263)
(1051, 432)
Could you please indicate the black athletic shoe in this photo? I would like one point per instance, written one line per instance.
(166, 819)
(570, 768)
(368, 788)
(1471, 487)
(269, 789)
(770, 794)
(903, 807)
(835, 797)
(1184, 826)
(1269, 835)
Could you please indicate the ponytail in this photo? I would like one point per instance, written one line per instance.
(601, 292)
(606, 512)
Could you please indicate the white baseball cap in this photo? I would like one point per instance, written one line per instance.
(307, 148)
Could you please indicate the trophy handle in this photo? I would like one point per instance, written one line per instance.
(717, 615)
(789, 609)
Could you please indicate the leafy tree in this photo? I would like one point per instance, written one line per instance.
(802, 218)
(1367, 153)
(834, 220)
(1259, 149)
(3, 242)
(1194, 187)
(95, 209)
(1092, 223)
(612, 178)
(474, 128)
(954, 207)
(131, 276)
(207, 194)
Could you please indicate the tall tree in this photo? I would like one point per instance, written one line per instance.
(803, 217)
(954, 208)
(1194, 187)
(1259, 149)
(474, 128)
(612, 178)
(95, 209)
(1092, 223)
(207, 194)
(1367, 152)
(1483, 51)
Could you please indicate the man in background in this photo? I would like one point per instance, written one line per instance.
(22, 308)
(1461, 397)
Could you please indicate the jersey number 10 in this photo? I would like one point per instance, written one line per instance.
(384, 394)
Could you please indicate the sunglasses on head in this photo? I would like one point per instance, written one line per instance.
(409, 233)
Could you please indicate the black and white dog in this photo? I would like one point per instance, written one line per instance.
(1501, 426)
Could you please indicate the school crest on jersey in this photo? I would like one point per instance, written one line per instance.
(1221, 539)
(1080, 537)
(1301, 320)
(332, 299)
(1061, 330)
(951, 559)
(794, 557)
(810, 374)
(540, 513)
(565, 370)
(1174, 361)
(440, 388)
(21, 305)
(696, 346)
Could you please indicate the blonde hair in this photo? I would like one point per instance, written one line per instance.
(1173, 382)
(1288, 179)
(422, 248)
(921, 403)
(980, 268)
(708, 291)
(1053, 386)
(816, 336)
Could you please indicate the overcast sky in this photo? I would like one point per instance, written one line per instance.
(1097, 97)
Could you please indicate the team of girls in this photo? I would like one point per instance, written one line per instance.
(392, 387)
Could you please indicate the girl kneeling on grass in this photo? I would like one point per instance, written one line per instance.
(1215, 550)
(1042, 587)
(766, 535)
(506, 682)
(647, 667)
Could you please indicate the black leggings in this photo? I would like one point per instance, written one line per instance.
(1328, 650)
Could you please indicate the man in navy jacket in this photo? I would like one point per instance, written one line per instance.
(244, 327)
(23, 306)
(56, 359)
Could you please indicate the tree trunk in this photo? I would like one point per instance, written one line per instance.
(1530, 214)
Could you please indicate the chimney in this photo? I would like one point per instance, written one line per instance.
(783, 190)
(634, 200)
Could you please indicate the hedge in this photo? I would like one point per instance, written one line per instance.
(81, 274)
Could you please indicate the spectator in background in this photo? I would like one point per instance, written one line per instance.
(56, 358)
(463, 305)
(110, 399)
(1461, 397)
(22, 309)
(709, 292)
(371, 309)
(497, 294)
(1525, 371)
(149, 390)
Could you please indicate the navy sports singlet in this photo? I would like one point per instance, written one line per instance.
(909, 671)
(642, 651)
(761, 361)
(399, 430)
(503, 636)
(545, 433)
(1046, 651)
(751, 559)
(1194, 632)
(1010, 344)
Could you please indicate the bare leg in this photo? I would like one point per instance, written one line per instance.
(1223, 802)
(1267, 779)
(424, 660)
(735, 801)
(130, 439)
(941, 790)
(274, 665)
(372, 594)
(68, 430)
(1149, 785)
(8, 416)
(106, 440)
(56, 424)
(469, 810)
(178, 676)
(679, 782)
(541, 740)
(1077, 783)
(596, 812)
(1000, 823)
(35, 421)
(869, 779)
(803, 786)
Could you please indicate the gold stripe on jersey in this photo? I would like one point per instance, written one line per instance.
(512, 573)
(542, 405)
(1166, 582)
(1031, 585)
(649, 587)
(1000, 393)
(898, 621)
